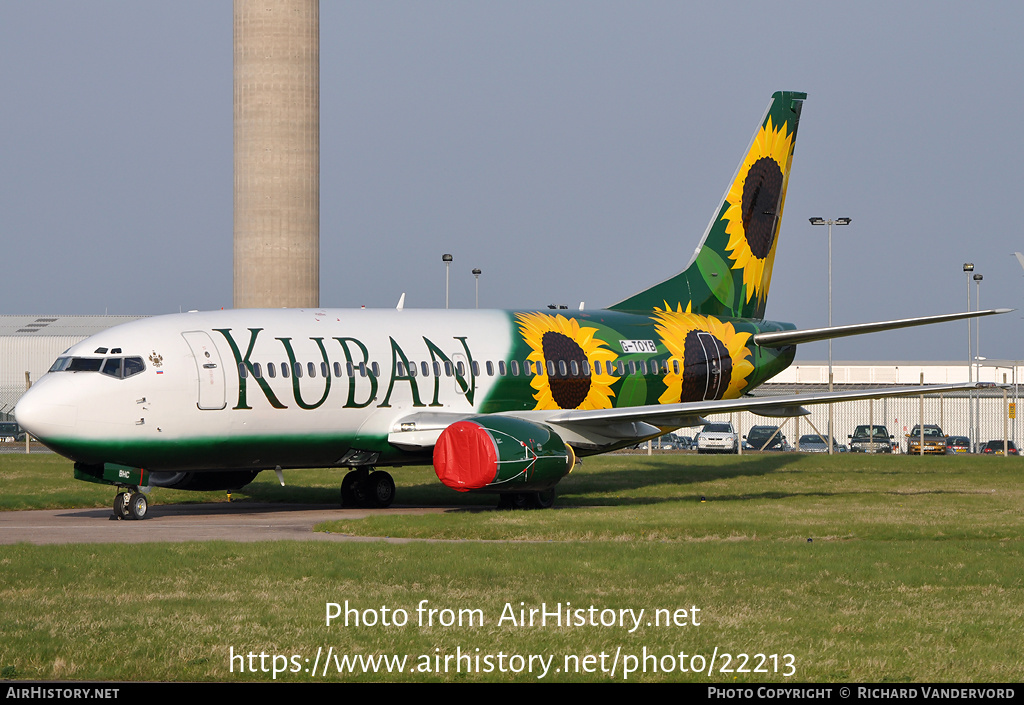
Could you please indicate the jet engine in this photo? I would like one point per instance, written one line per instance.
(501, 454)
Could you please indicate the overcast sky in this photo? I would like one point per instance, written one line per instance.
(573, 151)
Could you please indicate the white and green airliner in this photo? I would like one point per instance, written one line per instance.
(497, 401)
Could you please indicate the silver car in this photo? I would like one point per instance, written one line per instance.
(717, 438)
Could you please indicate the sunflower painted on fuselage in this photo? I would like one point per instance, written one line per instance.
(709, 360)
(579, 360)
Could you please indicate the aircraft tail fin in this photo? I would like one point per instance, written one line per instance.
(731, 270)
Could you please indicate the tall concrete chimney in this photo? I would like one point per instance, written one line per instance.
(277, 153)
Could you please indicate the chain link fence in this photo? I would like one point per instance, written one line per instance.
(982, 415)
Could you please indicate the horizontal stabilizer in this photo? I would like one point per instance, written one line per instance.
(783, 338)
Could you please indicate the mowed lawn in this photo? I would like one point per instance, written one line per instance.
(797, 568)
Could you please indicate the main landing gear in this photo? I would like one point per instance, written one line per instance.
(545, 499)
(130, 505)
(362, 488)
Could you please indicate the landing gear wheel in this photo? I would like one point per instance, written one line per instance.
(380, 489)
(516, 500)
(137, 505)
(120, 506)
(544, 499)
(348, 489)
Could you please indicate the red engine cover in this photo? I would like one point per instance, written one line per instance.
(465, 457)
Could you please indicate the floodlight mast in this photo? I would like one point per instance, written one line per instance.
(830, 222)
(447, 259)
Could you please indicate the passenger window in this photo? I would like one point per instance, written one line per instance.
(513, 368)
(284, 370)
(375, 368)
(448, 370)
(527, 367)
(412, 369)
(476, 368)
(490, 368)
(362, 369)
(337, 369)
(551, 367)
(323, 370)
(437, 368)
(257, 370)
(460, 368)
(298, 370)
(349, 369)
(311, 369)
(271, 370)
(675, 365)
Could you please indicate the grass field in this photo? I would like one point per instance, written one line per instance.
(880, 569)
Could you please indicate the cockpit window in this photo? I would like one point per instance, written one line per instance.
(85, 364)
(112, 367)
(133, 366)
(118, 367)
(59, 364)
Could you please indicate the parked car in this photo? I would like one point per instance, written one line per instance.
(10, 431)
(766, 438)
(934, 440)
(996, 448)
(717, 438)
(685, 442)
(868, 438)
(813, 443)
(956, 445)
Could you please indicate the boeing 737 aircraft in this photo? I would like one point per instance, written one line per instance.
(497, 401)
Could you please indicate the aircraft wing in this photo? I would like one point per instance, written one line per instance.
(590, 428)
(600, 428)
(779, 405)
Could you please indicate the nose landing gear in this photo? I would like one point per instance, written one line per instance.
(130, 505)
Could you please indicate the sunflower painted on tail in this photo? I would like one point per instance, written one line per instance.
(731, 269)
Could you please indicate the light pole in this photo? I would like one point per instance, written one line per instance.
(977, 353)
(476, 273)
(830, 222)
(447, 259)
(968, 268)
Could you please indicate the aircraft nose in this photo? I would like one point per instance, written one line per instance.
(39, 413)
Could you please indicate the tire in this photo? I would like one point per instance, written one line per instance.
(348, 489)
(380, 490)
(138, 505)
(516, 500)
(121, 506)
(545, 499)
